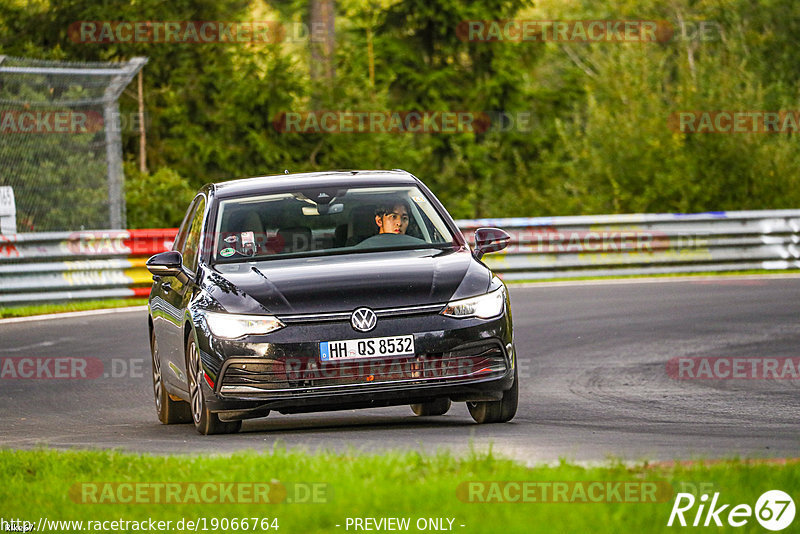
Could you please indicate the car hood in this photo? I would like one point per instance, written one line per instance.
(342, 283)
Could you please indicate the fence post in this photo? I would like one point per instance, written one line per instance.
(116, 176)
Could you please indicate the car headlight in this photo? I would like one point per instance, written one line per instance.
(232, 326)
(483, 306)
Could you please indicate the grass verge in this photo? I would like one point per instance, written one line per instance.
(324, 490)
(63, 307)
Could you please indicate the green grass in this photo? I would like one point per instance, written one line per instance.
(62, 307)
(47, 483)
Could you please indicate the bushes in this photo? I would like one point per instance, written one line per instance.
(599, 141)
(157, 200)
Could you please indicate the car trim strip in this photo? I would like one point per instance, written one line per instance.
(312, 389)
(345, 316)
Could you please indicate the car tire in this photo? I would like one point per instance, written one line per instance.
(170, 412)
(500, 411)
(205, 421)
(435, 407)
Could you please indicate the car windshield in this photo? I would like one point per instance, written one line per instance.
(326, 221)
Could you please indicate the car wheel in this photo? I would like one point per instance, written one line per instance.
(501, 411)
(169, 411)
(434, 407)
(205, 421)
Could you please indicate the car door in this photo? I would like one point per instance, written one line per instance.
(177, 294)
(160, 313)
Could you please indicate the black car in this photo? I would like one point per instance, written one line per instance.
(327, 291)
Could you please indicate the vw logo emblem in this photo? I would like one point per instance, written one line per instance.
(363, 319)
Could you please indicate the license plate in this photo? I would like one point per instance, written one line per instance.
(376, 347)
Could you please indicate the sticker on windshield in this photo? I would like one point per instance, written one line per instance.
(418, 199)
(230, 239)
(248, 238)
(225, 252)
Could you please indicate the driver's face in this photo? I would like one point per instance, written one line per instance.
(395, 222)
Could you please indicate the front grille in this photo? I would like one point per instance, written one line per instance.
(476, 361)
(380, 312)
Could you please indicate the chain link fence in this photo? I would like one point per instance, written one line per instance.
(60, 142)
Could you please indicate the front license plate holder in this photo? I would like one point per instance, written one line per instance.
(374, 347)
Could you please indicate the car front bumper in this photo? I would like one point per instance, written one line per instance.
(462, 359)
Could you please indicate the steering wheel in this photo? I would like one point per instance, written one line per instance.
(390, 240)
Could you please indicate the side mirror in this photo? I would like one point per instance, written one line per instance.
(168, 263)
(490, 240)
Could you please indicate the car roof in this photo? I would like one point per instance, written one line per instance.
(280, 182)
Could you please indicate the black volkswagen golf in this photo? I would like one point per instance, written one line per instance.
(327, 291)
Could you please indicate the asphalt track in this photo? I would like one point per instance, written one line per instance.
(594, 383)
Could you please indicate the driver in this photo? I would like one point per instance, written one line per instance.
(392, 217)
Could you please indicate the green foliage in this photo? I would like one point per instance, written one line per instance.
(617, 153)
(157, 200)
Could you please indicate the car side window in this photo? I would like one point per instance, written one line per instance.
(180, 239)
(192, 245)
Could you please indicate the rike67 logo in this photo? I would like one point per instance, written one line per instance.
(774, 510)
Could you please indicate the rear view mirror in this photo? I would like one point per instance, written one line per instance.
(490, 240)
(323, 209)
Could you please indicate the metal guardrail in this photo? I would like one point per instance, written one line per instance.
(642, 244)
(96, 264)
(45, 267)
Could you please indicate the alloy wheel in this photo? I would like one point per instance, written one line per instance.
(156, 375)
(195, 372)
